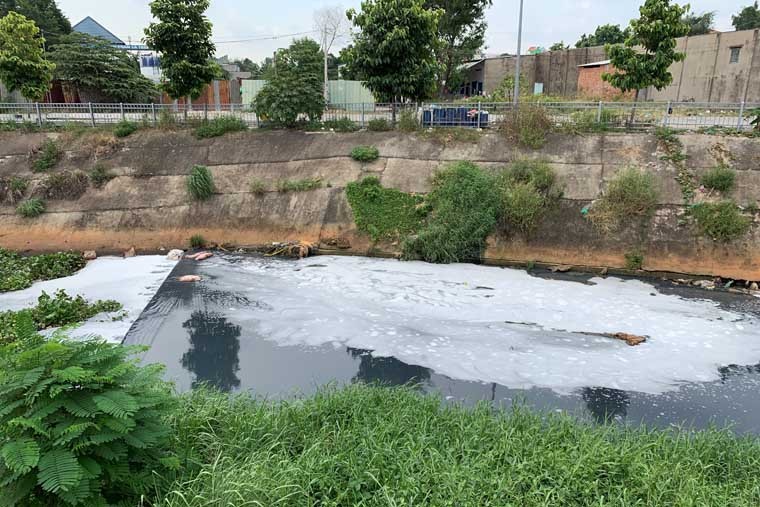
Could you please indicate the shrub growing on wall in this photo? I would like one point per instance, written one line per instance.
(384, 213)
(720, 178)
(12, 189)
(200, 183)
(220, 126)
(66, 185)
(721, 221)
(528, 188)
(365, 153)
(31, 208)
(631, 195)
(82, 424)
(46, 157)
(528, 126)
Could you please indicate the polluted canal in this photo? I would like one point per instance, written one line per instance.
(281, 328)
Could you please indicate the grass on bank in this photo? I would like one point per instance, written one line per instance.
(46, 157)
(220, 126)
(31, 208)
(630, 196)
(303, 185)
(384, 213)
(365, 153)
(12, 189)
(722, 221)
(17, 272)
(720, 178)
(200, 183)
(374, 446)
(64, 185)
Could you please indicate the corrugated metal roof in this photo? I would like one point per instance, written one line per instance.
(596, 64)
(92, 27)
(469, 65)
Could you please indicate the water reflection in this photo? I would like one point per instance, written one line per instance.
(387, 370)
(606, 404)
(213, 352)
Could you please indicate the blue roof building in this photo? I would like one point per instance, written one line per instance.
(91, 27)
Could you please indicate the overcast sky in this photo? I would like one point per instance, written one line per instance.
(546, 21)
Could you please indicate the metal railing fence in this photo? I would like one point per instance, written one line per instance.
(676, 115)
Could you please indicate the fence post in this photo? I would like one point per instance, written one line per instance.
(740, 124)
(599, 112)
(362, 114)
(480, 108)
(92, 113)
(153, 111)
(121, 109)
(205, 111)
(667, 113)
(39, 113)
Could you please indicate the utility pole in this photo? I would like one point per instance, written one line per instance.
(516, 97)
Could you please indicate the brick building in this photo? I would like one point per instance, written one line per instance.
(591, 84)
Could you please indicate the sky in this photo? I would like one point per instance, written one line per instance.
(545, 21)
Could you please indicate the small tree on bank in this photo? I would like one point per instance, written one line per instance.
(183, 38)
(22, 63)
(394, 50)
(748, 18)
(650, 49)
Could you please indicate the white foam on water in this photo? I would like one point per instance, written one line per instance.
(455, 320)
(132, 282)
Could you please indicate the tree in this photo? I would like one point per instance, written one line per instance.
(294, 86)
(461, 34)
(99, 71)
(332, 24)
(22, 63)
(559, 46)
(248, 65)
(183, 38)
(45, 13)
(650, 49)
(748, 18)
(700, 24)
(394, 50)
(604, 34)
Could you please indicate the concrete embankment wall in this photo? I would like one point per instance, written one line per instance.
(147, 205)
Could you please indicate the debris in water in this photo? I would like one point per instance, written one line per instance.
(89, 255)
(200, 256)
(298, 249)
(560, 269)
(130, 253)
(631, 339)
(189, 278)
(175, 255)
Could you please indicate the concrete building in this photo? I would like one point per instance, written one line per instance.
(719, 67)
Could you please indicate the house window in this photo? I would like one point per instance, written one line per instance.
(735, 52)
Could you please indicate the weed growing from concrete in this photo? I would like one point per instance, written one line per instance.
(528, 189)
(365, 153)
(631, 195)
(12, 189)
(721, 221)
(125, 128)
(197, 241)
(379, 125)
(220, 126)
(634, 260)
(31, 208)
(66, 185)
(46, 157)
(407, 121)
(303, 185)
(384, 213)
(341, 125)
(258, 187)
(720, 178)
(99, 176)
(528, 126)
(200, 183)
(451, 135)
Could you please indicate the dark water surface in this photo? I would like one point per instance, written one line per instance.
(190, 329)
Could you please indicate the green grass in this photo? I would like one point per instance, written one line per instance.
(528, 189)
(384, 213)
(634, 260)
(64, 185)
(528, 126)
(372, 446)
(258, 187)
(12, 189)
(197, 241)
(17, 272)
(200, 183)
(125, 128)
(720, 178)
(46, 157)
(407, 121)
(365, 153)
(99, 176)
(451, 135)
(632, 195)
(31, 208)
(721, 221)
(220, 126)
(303, 185)
(341, 125)
(379, 125)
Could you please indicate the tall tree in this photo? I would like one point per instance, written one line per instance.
(650, 49)
(332, 25)
(604, 34)
(45, 13)
(700, 24)
(748, 18)
(182, 36)
(559, 46)
(22, 61)
(461, 34)
(99, 71)
(248, 65)
(394, 49)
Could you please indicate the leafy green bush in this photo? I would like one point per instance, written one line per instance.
(125, 128)
(720, 178)
(721, 221)
(57, 311)
(99, 176)
(634, 261)
(258, 187)
(197, 241)
(65, 185)
(528, 126)
(12, 189)
(46, 157)
(303, 185)
(464, 206)
(82, 424)
(407, 121)
(220, 126)
(18, 272)
(341, 125)
(379, 125)
(200, 183)
(631, 195)
(528, 188)
(384, 213)
(365, 153)
(31, 208)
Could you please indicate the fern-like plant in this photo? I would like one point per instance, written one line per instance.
(80, 422)
(200, 183)
(31, 208)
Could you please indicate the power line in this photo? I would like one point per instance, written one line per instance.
(250, 39)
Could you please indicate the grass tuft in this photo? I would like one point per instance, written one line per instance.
(200, 183)
(220, 126)
(125, 128)
(303, 185)
(99, 176)
(46, 157)
(408, 121)
(631, 195)
(528, 189)
(344, 125)
(197, 241)
(12, 189)
(31, 208)
(721, 221)
(258, 187)
(66, 185)
(720, 178)
(528, 126)
(365, 153)
(634, 260)
(379, 125)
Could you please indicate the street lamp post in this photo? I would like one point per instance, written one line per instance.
(516, 95)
